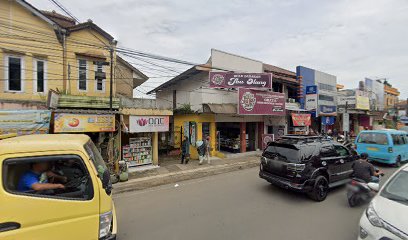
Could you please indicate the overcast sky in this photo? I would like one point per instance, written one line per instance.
(351, 39)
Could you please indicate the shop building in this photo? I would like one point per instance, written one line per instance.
(144, 132)
(319, 89)
(202, 110)
(354, 111)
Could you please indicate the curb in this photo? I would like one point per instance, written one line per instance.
(153, 181)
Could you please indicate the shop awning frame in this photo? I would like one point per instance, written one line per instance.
(228, 108)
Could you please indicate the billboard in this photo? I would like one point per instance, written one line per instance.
(24, 122)
(311, 102)
(301, 120)
(362, 103)
(256, 102)
(325, 109)
(74, 123)
(148, 124)
(240, 80)
(375, 91)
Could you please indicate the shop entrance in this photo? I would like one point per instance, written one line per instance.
(251, 138)
(228, 137)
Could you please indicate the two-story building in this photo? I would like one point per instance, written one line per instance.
(48, 60)
(201, 111)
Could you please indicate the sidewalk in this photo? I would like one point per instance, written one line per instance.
(171, 171)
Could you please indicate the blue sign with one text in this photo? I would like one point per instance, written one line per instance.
(311, 89)
(327, 109)
(328, 120)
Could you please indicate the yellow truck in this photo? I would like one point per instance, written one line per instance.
(54, 186)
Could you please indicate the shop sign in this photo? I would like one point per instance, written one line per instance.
(350, 101)
(346, 122)
(267, 138)
(312, 89)
(328, 109)
(24, 122)
(68, 123)
(311, 102)
(362, 103)
(240, 80)
(148, 124)
(328, 120)
(255, 102)
(301, 120)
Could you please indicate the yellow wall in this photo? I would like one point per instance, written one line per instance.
(29, 37)
(199, 119)
(26, 35)
(124, 80)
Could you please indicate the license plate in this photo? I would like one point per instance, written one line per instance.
(372, 149)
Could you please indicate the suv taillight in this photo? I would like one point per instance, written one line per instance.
(390, 150)
(296, 167)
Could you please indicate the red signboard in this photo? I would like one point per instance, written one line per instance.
(267, 138)
(256, 102)
(301, 120)
(240, 80)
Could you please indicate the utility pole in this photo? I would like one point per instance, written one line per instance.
(344, 122)
(111, 79)
(406, 108)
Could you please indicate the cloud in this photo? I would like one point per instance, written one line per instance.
(349, 39)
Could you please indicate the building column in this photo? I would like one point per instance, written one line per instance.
(261, 129)
(243, 136)
(155, 145)
(213, 137)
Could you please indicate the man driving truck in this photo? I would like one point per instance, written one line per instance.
(37, 178)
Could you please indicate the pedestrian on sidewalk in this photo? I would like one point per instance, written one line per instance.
(185, 151)
(207, 149)
(200, 150)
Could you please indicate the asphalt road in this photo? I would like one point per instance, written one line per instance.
(237, 205)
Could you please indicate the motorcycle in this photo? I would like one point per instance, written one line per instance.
(341, 138)
(360, 192)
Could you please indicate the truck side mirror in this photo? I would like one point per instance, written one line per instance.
(106, 183)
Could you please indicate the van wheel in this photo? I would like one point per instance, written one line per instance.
(398, 162)
(320, 189)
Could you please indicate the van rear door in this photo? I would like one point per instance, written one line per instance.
(34, 216)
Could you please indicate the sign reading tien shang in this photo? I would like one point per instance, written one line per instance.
(240, 80)
(256, 102)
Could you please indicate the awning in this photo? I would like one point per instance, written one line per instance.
(146, 112)
(228, 108)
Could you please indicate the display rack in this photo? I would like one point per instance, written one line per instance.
(138, 152)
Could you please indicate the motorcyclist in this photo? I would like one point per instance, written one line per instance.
(364, 170)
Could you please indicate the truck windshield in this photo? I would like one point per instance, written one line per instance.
(283, 153)
(96, 158)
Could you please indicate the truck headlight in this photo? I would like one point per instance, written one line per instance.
(373, 218)
(105, 221)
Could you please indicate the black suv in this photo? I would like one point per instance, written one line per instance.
(307, 164)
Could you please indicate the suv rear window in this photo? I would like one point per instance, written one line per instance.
(373, 138)
(289, 153)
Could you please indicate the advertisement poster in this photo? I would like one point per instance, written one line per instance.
(311, 102)
(148, 124)
(362, 103)
(69, 123)
(255, 102)
(301, 120)
(267, 138)
(328, 121)
(240, 80)
(24, 122)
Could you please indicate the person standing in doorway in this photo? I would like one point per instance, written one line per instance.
(185, 151)
(207, 149)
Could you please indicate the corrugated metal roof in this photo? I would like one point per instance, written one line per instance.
(228, 108)
(70, 101)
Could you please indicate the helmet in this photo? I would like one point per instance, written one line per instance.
(364, 155)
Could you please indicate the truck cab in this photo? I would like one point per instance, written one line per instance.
(82, 209)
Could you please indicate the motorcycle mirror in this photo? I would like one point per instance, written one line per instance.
(374, 186)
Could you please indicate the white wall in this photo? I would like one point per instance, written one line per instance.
(232, 62)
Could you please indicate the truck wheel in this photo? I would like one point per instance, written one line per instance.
(320, 189)
(398, 162)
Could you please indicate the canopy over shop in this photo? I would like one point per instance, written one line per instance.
(101, 126)
(24, 122)
(142, 135)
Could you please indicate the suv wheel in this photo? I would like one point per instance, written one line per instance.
(320, 189)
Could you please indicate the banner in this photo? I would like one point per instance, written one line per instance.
(240, 80)
(311, 102)
(362, 103)
(328, 120)
(71, 123)
(301, 120)
(24, 122)
(148, 124)
(267, 138)
(255, 102)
